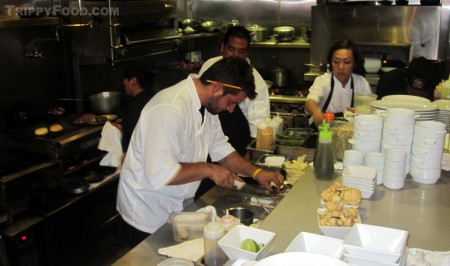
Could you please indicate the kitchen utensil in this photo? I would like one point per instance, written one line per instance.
(262, 205)
(212, 25)
(279, 77)
(191, 25)
(244, 215)
(257, 33)
(107, 102)
(284, 33)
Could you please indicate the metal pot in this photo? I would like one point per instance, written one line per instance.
(284, 33)
(107, 102)
(279, 77)
(212, 26)
(257, 33)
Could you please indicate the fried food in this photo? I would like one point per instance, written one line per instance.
(338, 195)
(41, 131)
(337, 218)
(56, 128)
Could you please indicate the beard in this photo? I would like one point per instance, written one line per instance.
(213, 105)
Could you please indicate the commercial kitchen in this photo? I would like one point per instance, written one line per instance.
(54, 57)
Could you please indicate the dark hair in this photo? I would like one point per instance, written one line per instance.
(232, 70)
(237, 31)
(144, 74)
(348, 45)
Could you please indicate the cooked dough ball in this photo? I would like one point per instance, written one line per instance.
(41, 131)
(56, 128)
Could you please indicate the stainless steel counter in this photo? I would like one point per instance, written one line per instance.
(422, 210)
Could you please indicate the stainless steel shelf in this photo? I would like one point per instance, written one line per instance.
(272, 43)
(18, 22)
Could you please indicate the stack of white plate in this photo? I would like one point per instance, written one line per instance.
(360, 177)
(375, 245)
(424, 109)
(444, 112)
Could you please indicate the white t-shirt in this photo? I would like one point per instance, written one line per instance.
(169, 131)
(254, 110)
(342, 96)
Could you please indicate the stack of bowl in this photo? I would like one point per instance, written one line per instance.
(375, 245)
(427, 151)
(398, 131)
(367, 133)
(376, 161)
(360, 177)
(394, 173)
(353, 157)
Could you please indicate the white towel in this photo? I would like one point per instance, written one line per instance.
(422, 257)
(192, 250)
(111, 142)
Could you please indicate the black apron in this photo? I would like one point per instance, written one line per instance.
(325, 106)
(235, 127)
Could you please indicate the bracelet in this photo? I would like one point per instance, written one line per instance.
(256, 172)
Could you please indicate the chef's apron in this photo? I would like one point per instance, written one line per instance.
(235, 127)
(327, 103)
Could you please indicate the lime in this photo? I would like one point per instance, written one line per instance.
(250, 245)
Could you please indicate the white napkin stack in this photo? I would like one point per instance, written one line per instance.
(192, 250)
(111, 142)
(421, 257)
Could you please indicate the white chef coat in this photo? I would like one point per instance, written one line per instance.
(254, 110)
(342, 96)
(169, 131)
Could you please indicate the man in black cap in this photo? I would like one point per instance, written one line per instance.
(423, 76)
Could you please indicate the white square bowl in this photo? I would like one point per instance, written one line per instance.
(353, 259)
(375, 242)
(334, 231)
(314, 243)
(359, 172)
(231, 242)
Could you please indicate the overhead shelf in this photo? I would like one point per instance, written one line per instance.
(18, 22)
(272, 43)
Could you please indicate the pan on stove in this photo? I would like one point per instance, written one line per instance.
(75, 185)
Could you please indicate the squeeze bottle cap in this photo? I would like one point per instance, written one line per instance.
(324, 131)
(328, 116)
(213, 229)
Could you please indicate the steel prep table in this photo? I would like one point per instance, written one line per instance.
(422, 210)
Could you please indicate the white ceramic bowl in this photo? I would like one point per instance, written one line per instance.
(374, 158)
(368, 122)
(375, 242)
(400, 116)
(334, 231)
(300, 259)
(365, 146)
(393, 184)
(424, 142)
(372, 65)
(421, 163)
(360, 172)
(314, 243)
(427, 153)
(426, 174)
(367, 135)
(357, 260)
(395, 153)
(397, 139)
(398, 129)
(231, 242)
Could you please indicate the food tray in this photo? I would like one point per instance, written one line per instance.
(256, 153)
(293, 137)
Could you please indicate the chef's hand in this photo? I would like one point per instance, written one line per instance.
(268, 178)
(223, 177)
(318, 118)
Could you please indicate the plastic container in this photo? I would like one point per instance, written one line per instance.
(228, 221)
(323, 156)
(188, 225)
(212, 233)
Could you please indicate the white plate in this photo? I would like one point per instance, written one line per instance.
(387, 69)
(405, 98)
(300, 259)
(384, 104)
(443, 104)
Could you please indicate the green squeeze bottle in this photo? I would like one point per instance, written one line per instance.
(323, 156)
